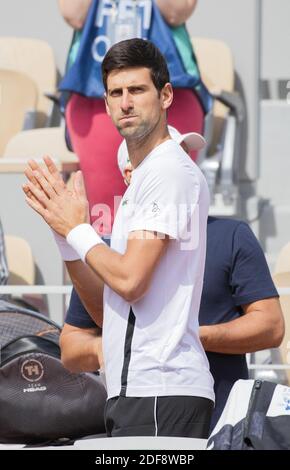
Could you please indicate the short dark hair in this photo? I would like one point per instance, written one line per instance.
(136, 53)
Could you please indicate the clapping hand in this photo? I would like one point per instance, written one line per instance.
(46, 193)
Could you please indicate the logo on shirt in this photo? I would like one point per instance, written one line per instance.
(125, 202)
(155, 208)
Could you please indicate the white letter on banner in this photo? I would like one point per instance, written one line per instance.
(96, 56)
(104, 9)
(126, 9)
(147, 6)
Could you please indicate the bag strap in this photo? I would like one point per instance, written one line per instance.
(14, 308)
(260, 400)
(29, 344)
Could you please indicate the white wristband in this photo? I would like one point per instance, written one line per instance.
(82, 238)
(66, 251)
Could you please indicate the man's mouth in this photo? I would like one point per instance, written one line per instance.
(127, 118)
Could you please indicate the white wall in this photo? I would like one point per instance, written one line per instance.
(275, 39)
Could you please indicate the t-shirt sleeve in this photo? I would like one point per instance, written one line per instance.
(77, 314)
(165, 202)
(250, 276)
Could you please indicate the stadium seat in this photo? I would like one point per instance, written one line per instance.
(39, 142)
(23, 272)
(20, 261)
(34, 58)
(17, 104)
(219, 160)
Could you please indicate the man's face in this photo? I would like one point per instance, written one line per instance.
(134, 103)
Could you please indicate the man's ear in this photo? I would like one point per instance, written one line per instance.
(106, 103)
(185, 147)
(166, 96)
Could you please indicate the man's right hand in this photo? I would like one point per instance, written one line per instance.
(61, 208)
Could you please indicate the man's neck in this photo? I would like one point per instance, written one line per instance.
(139, 149)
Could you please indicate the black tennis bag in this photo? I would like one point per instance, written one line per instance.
(39, 399)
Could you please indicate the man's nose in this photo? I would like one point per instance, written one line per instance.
(126, 102)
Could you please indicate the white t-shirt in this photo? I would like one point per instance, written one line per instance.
(152, 347)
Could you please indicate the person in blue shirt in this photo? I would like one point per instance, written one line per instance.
(240, 310)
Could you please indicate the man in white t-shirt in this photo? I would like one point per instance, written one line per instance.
(157, 374)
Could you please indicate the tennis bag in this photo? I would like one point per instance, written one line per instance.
(256, 417)
(40, 400)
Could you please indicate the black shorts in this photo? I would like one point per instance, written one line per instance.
(178, 416)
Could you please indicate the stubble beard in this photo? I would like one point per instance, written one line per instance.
(137, 133)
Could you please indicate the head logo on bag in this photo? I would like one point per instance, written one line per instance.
(32, 370)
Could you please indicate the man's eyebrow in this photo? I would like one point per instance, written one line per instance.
(137, 85)
(110, 90)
